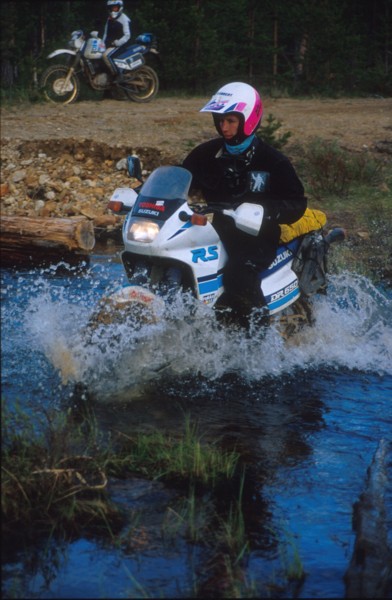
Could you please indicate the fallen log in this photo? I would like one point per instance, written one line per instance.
(73, 233)
(36, 239)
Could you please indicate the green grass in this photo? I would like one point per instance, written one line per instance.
(181, 459)
(54, 473)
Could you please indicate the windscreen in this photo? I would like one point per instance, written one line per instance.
(163, 193)
(167, 183)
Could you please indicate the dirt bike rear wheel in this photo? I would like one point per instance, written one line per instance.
(54, 87)
(141, 85)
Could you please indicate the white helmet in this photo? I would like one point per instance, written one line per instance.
(115, 8)
(241, 99)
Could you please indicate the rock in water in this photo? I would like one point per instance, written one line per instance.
(369, 574)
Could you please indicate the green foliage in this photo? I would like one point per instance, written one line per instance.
(328, 169)
(330, 47)
(268, 130)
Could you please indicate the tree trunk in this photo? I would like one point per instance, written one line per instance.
(251, 36)
(275, 57)
(49, 238)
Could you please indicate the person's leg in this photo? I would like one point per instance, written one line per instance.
(248, 257)
(106, 56)
(242, 284)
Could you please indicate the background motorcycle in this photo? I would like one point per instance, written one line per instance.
(136, 80)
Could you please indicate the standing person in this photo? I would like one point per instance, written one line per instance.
(117, 32)
(239, 167)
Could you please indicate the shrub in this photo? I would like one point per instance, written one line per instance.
(267, 132)
(328, 169)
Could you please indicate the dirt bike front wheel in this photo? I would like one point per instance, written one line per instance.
(295, 317)
(141, 85)
(57, 88)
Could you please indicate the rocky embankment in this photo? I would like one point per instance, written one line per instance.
(67, 178)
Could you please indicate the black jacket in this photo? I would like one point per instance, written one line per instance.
(223, 178)
(117, 30)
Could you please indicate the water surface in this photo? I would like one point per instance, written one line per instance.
(307, 416)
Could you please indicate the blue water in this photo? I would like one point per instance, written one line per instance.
(310, 413)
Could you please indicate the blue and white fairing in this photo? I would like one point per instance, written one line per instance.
(159, 227)
(132, 56)
(154, 229)
(279, 283)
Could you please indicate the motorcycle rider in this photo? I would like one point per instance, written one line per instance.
(117, 32)
(240, 167)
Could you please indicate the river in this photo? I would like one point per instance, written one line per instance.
(309, 415)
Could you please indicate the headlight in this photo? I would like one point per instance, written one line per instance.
(75, 44)
(143, 231)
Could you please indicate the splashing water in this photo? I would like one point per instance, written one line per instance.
(352, 329)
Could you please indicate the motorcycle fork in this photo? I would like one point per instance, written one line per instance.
(71, 71)
(157, 277)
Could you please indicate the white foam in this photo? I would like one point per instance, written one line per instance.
(352, 329)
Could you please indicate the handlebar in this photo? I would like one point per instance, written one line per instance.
(247, 216)
(205, 209)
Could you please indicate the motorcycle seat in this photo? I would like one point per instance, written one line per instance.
(311, 220)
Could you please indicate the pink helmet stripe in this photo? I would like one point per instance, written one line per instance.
(240, 105)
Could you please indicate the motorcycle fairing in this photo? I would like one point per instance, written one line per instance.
(156, 208)
(128, 50)
(210, 287)
(279, 283)
(130, 63)
(205, 262)
(278, 298)
(130, 57)
(284, 254)
(181, 230)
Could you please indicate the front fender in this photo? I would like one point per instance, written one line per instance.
(61, 51)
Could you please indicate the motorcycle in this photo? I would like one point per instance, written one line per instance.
(171, 246)
(135, 79)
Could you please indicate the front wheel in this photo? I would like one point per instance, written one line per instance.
(297, 316)
(142, 85)
(57, 87)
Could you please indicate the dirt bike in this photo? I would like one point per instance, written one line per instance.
(135, 80)
(171, 246)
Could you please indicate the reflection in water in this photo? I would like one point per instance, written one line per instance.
(270, 419)
(306, 416)
(267, 422)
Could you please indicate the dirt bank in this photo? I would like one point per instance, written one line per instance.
(174, 125)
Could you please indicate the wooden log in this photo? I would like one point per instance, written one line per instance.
(49, 232)
(46, 238)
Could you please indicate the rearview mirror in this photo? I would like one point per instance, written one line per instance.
(134, 167)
